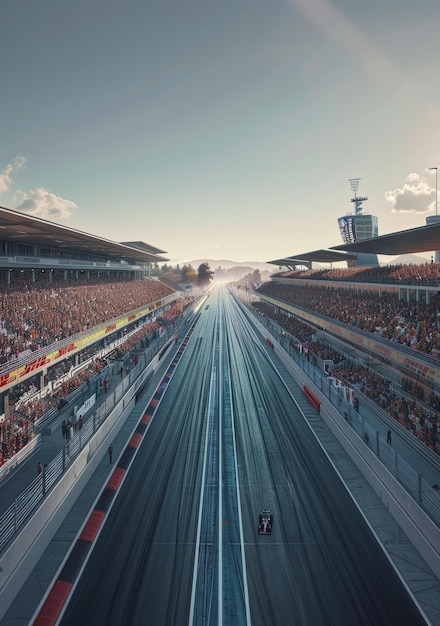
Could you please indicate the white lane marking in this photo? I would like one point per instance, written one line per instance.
(202, 491)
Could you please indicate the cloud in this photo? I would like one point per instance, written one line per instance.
(45, 204)
(39, 202)
(6, 175)
(415, 196)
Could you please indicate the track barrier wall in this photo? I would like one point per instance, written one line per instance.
(312, 398)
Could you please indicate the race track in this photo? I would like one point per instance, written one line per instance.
(180, 545)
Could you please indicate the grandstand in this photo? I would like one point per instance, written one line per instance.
(388, 317)
(66, 297)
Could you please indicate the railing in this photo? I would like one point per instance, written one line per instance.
(25, 504)
(11, 261)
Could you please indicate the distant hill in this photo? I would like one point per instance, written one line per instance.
(407, 259)
(226, 264)
(232, 271)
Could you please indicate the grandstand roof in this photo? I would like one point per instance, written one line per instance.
(422, 239)
(141, 245)
(22, 228)
(320, 256)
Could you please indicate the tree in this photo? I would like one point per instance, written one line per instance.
(204, 275)
(256, 277)
(189, 274)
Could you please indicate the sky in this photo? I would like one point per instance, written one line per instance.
(216, 129)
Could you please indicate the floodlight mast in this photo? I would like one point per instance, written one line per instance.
(354, 183)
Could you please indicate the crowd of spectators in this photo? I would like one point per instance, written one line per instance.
(14, 435)
(301, 330)
(409, 406)
(37, 315)
(29, 406)
(420, 419)
(411, 323)
(425, 273)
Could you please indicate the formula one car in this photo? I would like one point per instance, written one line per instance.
(265, 522)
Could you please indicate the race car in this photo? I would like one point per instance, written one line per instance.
(265, 522)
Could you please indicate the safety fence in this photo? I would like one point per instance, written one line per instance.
(20, 510)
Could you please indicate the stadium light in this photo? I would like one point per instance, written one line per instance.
(434, 168)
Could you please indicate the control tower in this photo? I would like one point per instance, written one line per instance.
(358, 226)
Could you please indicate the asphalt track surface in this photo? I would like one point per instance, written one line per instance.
(321, 565)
